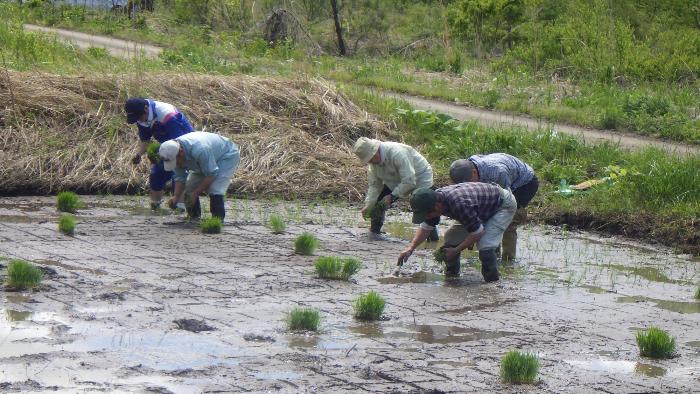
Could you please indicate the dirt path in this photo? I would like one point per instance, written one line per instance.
(141, 303)
(128, 49)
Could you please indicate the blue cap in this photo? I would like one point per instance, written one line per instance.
(134, 107)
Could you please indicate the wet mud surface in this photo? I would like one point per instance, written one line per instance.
(139, 302)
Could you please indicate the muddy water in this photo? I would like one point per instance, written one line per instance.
(108, 319)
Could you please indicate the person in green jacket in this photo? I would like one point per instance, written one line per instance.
(395, 171)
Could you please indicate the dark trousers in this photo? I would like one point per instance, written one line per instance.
(378, 221)
(526, 192)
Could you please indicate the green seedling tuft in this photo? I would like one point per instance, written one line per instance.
(697, 293)
(306, 244)
(66, 224)
(519, 367)
(655, 343)
(152, 152)
(369, 306)
(303, 319)
(68, 202)
(210, 225)
(331, 267)
(276, 224)
(440, 255)
(22, 275)
(376, 211)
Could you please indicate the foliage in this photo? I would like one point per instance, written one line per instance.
(305, 244)
(211, 225)
(276, 224)
(66, 224)
(332, 267)
(369, 306)
(519, 367)
(68, 202)
(655, 343)
(22, 275)
(303, 319)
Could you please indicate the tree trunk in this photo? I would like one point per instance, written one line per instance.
(338, 29)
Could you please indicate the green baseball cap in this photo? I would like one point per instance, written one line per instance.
(422, 203)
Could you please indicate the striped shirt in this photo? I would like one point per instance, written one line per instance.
(503, 169)
(470, 203)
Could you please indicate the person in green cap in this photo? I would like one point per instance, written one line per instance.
(482, 210)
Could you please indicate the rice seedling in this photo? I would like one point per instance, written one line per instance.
(22, 275)
(519, 367)
(276, 224)
(152, 152)
(697, 293)
(303, 319)
(68, 202)
(332, 267)
(376, 211)
(306, 244)
(369, 306)
(655, 343)
(440, 255)
(211, 225)
(66, 224)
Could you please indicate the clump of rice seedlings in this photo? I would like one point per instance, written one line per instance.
(655, 343)
(332, 267)
(440, 255)
(369, 306)
(519, 367)
(68, 202)
(306, 244)
(22, 275)
(376, 211)
(152, 151)
(210, 225)
(303, 319)
(66, 224)
(276, 224)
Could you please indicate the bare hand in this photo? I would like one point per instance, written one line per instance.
(172, 204)
(450, 253)
(136, 159)
(403, 257)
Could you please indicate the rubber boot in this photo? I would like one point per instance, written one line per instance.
(509, 243)
(377, 223)
(452, 267)
(489, 266)
(194, 211)
(216, 205)
(433, 236)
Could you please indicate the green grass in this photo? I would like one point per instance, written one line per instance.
(369, 306)
(66, 224)
(68, 202)
(152, 151)
(22, 275)
(655, 343)
(306, 244)
(276, 224)
(519, 367)
(211, 225)
(306, 319)
(333, 267)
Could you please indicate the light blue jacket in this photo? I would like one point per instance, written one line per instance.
(205, 153)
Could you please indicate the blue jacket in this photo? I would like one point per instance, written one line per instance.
(164, 123)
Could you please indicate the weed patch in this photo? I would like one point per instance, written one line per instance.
(210, 225)
(22, 275)
(66, 224)
(332, 267)
(519, 367)
(68, 202)
(276, 224)
(369, 306)
(655, 343)
(299, 319)
(306, 244)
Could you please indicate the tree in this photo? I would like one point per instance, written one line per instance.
(338, 28)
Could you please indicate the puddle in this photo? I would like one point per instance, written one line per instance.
(416, 277)
(12, 315)
(303, 341)
(406, 231)
(427, 333)
(693, 344)
(595, 289)
(22, 219)
(69, 267)
(479, 307)
(281, 375)
(17, 298)
(619, 366)
(649, 273)
(673, 306)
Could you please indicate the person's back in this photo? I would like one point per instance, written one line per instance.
(201, 145)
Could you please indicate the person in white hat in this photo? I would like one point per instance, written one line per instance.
(211, 161)
(395, 170)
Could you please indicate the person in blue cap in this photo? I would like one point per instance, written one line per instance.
(161, 122)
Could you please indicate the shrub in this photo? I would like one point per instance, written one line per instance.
(369, 306)
(68, 202)
(22, 275)
(210, 225)
(303, 319)
(152, 151)
(66, 224)
(276, 224)
(519, 367)
(330, 267)
(655, 343)
(306, 244)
